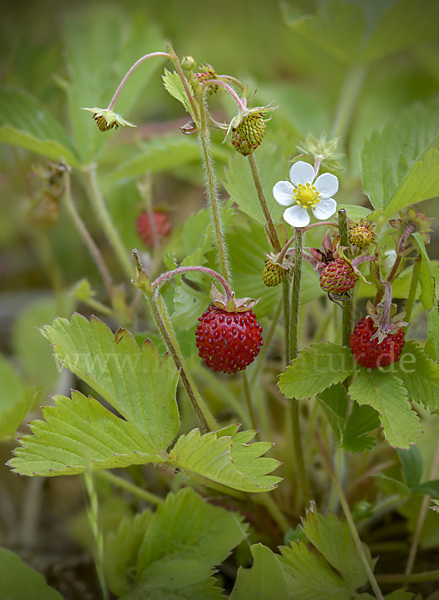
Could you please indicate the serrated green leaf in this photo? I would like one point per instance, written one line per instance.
(315, 369)
(121, 550)
(386, 394)
(135, 382)
(310, 576)
(159, 154)
(20, 582)
(361, 421)
(400, 164)
(412, 465)
(419, 374)
(333, 539)
(80, 434)
(15, 400)
(27, 123)
(225, 461)
(265, 580)
(174, 86)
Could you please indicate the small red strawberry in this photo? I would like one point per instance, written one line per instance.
(153, 228)
(228, 337)
(367, 349)
(338, 277)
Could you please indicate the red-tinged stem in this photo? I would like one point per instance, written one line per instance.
(180, 270)
(131, 71)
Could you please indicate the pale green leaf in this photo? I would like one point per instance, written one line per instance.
(20, 582)
(333, 539)
(386, 394)
(135, 382)
(121, 550)
(207, 537)
(400, 164)
(15, 400)
(189, 305)
(315, 369)
(80, 434)
(361, 421)
(310, 576)
(419, 374)
(174, 86)
(159, 154)
(27, 123)
(264, 580)
(225, 460)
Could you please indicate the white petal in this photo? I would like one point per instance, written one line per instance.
(297, 216)
(326, 185)
(325, 209)
(301, 172)
(283, 193)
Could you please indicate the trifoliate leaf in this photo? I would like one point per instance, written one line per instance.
(309, 575)
(419, 374)
(385, 393)
(400, 164)
(361, 421)
(78, 434)
(315, 369)
(265, 580)
(20, 582)
(333, 539)
(133, 381)
(227, 461)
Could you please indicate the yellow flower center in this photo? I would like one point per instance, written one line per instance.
(306, 195)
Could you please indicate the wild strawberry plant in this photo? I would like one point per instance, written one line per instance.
(294, 434)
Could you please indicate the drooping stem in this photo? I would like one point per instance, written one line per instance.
(263, 202)
(130, 72)
(348, 304)
(211, 185)
(130, 487)
(86, 237)
(293, 348)
(164, 324)
(350, 522)
(180, 270)
(93, 517)
(106, 221)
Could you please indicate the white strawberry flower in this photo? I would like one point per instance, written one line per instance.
(302, 193)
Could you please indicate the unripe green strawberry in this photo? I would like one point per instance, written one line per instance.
(338, 277)
(273, 273)
(247, 136)
(361, 234)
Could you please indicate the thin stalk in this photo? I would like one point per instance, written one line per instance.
(164, 324)
(348, 99)
(293, 348)
(412, 578)
(260, 191)
(130, 487)
(267, 341)
(421, 518)
(412, 291)
(287, 314)
(93, 517)
(348, 304)
(351, 524)
(86, 237)
(130, 72)
(106, 221)
(248, 400)
(211, 185)
(275, 512)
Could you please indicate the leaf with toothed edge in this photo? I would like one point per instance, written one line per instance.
(385, 393)
(135, 382)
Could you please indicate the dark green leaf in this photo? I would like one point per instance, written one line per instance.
(412, 465)
(361, 421)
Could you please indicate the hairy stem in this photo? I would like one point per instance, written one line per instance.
(160, 280)
(348, 305)
(260, 191)
(106, 221)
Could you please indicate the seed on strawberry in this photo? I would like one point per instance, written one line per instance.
(361, 234)
(228, 341)
(338, 277)
(368, 351)
(247, 136)
(273, 272)
(153, 229)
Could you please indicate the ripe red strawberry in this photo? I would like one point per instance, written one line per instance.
(338, 277)
(153, 229)
(228, 341)
(370, 352)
